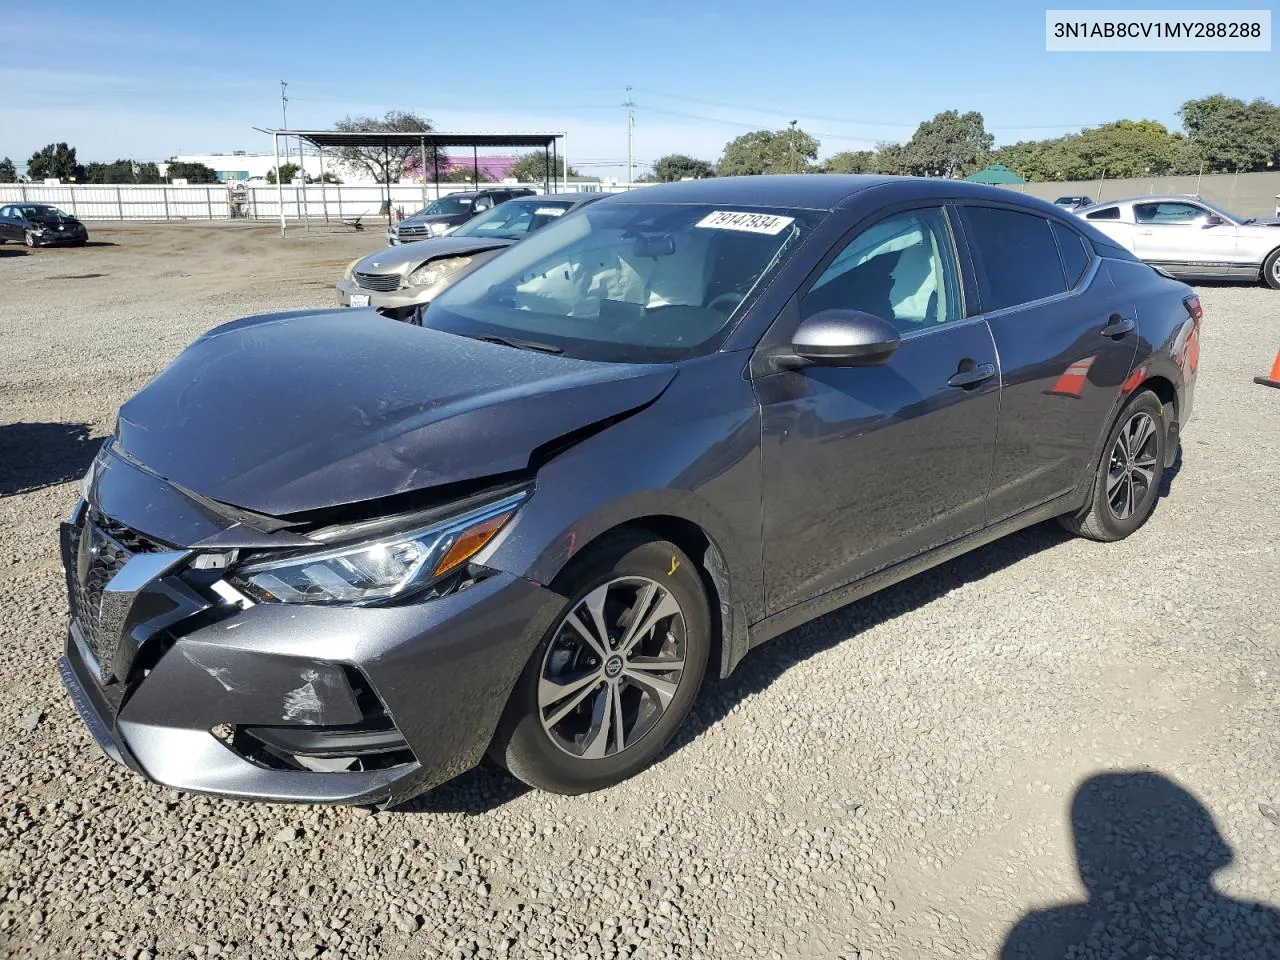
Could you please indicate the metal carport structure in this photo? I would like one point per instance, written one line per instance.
(422, 140)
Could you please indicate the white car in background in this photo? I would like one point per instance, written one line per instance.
(1191, 238)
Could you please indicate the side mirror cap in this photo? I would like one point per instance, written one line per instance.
(1213, 220)
(845, 338)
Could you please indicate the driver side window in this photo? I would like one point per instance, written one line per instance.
(901, 269)
(1167, 212)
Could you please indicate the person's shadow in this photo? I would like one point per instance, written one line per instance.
(1147, 851)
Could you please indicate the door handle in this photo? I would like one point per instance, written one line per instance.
(974, 375)
(1117, 326)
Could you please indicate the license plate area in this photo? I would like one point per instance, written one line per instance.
(359, 299)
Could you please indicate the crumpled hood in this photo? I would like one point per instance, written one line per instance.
(288, 413)
(408, 256)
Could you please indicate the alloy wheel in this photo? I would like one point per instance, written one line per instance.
(612, 668)
(1132, 471)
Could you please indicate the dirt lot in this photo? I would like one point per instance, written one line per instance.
(908, 777)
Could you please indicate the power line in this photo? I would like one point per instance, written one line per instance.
(765, 111)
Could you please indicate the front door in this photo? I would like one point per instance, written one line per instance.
(867, 466)
(1183, 236)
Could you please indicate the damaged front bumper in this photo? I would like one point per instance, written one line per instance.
(201, 690)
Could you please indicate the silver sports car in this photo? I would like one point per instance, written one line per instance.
(1191, 238)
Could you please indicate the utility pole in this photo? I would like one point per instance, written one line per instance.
(793, 146)
(284, 116)
(631, 139)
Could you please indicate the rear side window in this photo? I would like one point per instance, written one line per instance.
(1017, 257)
(1106, 213)
(1075, 255)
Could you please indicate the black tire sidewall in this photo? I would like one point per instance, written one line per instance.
(1144, 402)
(525, 749)
(1269, 270)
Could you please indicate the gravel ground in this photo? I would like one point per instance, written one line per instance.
(913, 776)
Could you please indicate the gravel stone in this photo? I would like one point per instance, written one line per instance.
(893, 781)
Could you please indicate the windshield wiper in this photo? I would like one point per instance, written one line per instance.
(522, 344)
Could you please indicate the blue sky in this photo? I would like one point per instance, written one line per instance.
(120, 79)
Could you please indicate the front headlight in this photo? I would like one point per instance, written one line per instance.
(350, 267)
(368, 572)
(439, 229)
(432, 273)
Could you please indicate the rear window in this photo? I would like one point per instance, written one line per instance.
(1106, 213)
(1075, 255)
(1018, 259)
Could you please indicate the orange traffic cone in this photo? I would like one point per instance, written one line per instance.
(1274, 379)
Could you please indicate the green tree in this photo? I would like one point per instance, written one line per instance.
(147, 173)
(952, 144)
(768, 151)
(55, 160)
(533, 167)
(8, 172)
(191, 172)
(1230, 134)
(1125, 148)
(389, 163)
(328, 177)
(851, 161)
(678, 166)
(288, 173)
(121, 171)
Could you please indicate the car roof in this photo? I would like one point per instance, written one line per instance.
(820, 191)
(1147, 198)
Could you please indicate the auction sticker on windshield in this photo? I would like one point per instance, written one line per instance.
(549, 212)
(746, 222)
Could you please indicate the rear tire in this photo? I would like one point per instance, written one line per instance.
(559, 731)
(1271, 269)
(1127, 482)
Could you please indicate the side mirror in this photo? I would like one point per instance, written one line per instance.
(1212, 220)
(845, 338)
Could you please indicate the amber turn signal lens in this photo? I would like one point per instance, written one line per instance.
(470, 542)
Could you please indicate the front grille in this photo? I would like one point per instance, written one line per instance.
(413, 231)
(382, 282)
(109, 547)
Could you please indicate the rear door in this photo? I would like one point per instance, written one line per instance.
(1066, 340)
(867, 466)
(8, 229)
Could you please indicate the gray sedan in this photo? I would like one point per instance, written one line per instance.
(330, 560)
(400, 279)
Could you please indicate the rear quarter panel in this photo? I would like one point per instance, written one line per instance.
(1169, 339)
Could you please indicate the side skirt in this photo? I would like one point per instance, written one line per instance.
(808, 610)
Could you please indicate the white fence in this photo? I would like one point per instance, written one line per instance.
(315, 201)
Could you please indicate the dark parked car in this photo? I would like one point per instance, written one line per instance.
(444, 213)
(40, 225)
(1073, 203)
(325, 559)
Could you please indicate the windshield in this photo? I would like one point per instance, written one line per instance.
(626, 282)
(515, 218)
(39, 212)
(446, 205)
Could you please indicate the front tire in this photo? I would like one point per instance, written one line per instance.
(616, 675)
(30, 238)
(1127, 483)
(1271, 269)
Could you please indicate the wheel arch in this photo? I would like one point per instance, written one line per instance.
(728, 627)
